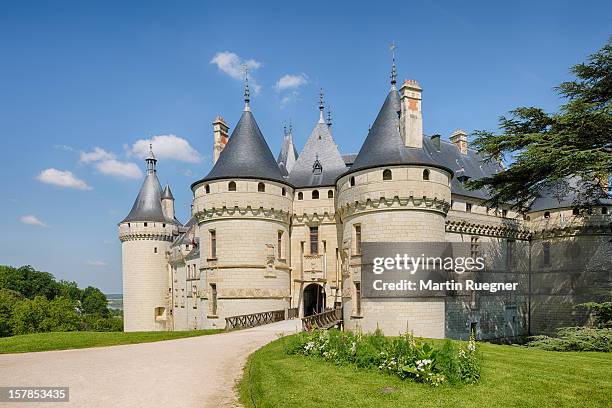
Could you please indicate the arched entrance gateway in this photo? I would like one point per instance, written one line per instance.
(314, 299)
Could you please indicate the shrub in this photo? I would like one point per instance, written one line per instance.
(575, 339)
(601, 312)
(42, 315)
(406, 356)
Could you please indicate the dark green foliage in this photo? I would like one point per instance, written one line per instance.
(94, 302)
(42, 315)
(602, 312)
(29, 282)
(32, 301)
(549, 149)
(575, 339)
(8, 300)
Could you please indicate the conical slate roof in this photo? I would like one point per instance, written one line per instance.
(287, 155)
(320, 148)
(147, 206)
(384, 145)
(167, 194)
(246, 155)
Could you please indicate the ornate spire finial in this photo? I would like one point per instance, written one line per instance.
(329, 118)
(151, 160)
(321, 106)
(392, 48)
(290, 126)
(247, 92)
(285, 130)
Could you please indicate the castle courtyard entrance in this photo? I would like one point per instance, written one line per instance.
(314, 299)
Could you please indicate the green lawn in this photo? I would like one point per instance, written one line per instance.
(512, 376)
(72, 340)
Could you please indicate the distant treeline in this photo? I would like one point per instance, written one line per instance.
(32, 301)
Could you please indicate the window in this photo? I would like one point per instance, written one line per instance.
(129, 224)
(231, 186)
(213, 243)
(510, 254)
(300, 196)
(546, 253)
(468, 207)
(279, 245)
(145, 224)
(474, 247)
(546, 214)
(387, 174)
(164, 225)
(426, 174)
(357, 228)
(284, 192)
(155, 250)
(505, 213)
(576, 211)
(261, 187)
(352, 181)
(207, 189)
(159, 312)
(314, 240)
(213, 299)
(315, 195)
(358, 298)
(604, 210)
(330, 194)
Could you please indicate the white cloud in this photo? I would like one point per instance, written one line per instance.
(288, 81)
(97, 264)
(65, 148)
(106, 163)
(231, 64)
(96, 155)
(168, 147)
(62, 179)
(119, 169)
(32, 220)
(290, 97)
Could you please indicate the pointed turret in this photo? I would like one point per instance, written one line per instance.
(148, 204)
(246, 154)
(288, 153)
(167, 194)
(320, 161)
(167, 200)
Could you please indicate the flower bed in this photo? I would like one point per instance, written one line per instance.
(406, 356)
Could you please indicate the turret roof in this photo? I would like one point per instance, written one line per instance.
(147, 206)
(167, 194)
(246, 155)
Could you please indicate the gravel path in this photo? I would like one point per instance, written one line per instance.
(192, 372)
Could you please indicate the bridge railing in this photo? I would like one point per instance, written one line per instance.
(325, 320)
(293, 313)
(253, 319)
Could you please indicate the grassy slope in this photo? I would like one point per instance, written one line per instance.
(71, 340)
(512, 377)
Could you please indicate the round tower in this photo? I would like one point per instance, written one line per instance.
(145, 235)
(243, 207)
(394, 192)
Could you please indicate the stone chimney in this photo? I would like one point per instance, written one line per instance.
(459, 139)
(411, 118)
(220, 137)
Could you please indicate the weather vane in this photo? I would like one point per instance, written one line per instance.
(392, 48)
(247, 93)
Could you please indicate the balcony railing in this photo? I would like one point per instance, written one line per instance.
(325, 320)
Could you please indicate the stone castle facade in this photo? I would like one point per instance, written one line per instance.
(269, 234)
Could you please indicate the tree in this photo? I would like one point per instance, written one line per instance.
(43, 315)
(70, 290)
(8, 300)
(28, 281)
(568, 150)
(94, 302)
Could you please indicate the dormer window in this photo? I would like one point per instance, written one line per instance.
(463, 178)
(387, 174)
(315, 195)
(261, 187)
(317, 167)
(426, 174)
(231, 186)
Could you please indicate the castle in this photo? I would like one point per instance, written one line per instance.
(270, 234)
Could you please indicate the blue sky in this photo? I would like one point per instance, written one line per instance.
(75, 77)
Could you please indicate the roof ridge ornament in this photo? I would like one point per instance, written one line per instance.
(321, 107)
(329, 118)
(392, 48)
(247, 92)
